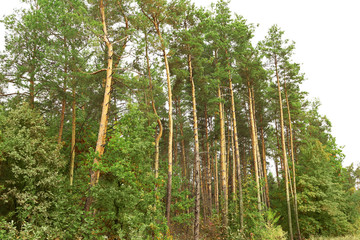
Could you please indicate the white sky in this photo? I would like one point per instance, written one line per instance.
(327, 36)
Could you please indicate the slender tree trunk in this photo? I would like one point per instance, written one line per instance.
(264, 165)
(293, 162)
(183, 153)
(236, 149)
(170, 158)
(216, 180)
(225, 196)
(259, 162)
(208, 162)
(105, 106)
(284, 151)
(254, 147)
(197, 157)
(233, 169)
(73, 137)
(158, 136)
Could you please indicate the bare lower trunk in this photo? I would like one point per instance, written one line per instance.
(284, 152)
(216, 181)
(293, 162)
(264, 166)
(73, 138)
(197, 157)
(236, 150)
(208, 162)
(225, 196)
(254, 147)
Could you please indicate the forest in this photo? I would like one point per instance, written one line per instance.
(158, 119)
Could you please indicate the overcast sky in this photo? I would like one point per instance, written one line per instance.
(327, 36)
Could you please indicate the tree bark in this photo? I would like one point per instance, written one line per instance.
(225, 196)
(208, 162)
(197, 157)
(216, 180)
(254, 147)
(73, 137)
(105, 106)
(284, 150)
(236, 149)
(293, 162)
(158, 136)
(263, 149)
(170, 145)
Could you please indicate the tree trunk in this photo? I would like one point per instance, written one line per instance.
(264, 165)
(73, 137)
(225, 196)
(216, 180)
(293, 162)
(183, 153)
(208, 162)
(284, 151)
(169, 182)
(236, 150)
(197, 157)
(158, 136)
(254, 147)
(105, 106)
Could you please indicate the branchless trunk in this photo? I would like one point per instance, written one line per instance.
(254, 147)
(260, 166)
(236, 150)
(73, 136)
(183, 154)
(105, 106)
(216, 190)
(225, 196)
(293, 162)
(264, 165)
(197, 157)
(284, 150)
(208, 162)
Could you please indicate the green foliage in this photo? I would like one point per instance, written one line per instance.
(126, 202)
(30, 165)
(322, 198)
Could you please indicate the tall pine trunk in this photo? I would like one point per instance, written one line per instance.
(225, 196)
(73, 137)
(254, 146)
(284, 151)
(105, 105)
(170, 145)
(208, 162)
(293, 162)
(197, 157)
(236, 149)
